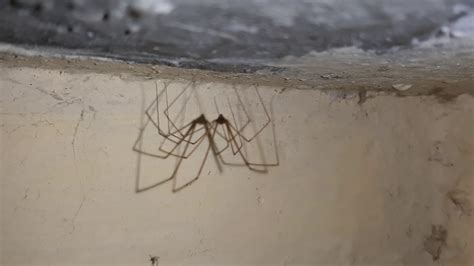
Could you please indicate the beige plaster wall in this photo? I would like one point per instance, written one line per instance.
(388, 181)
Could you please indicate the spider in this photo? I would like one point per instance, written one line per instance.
(169, 130)
(181, 142)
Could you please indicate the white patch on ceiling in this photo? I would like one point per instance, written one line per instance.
(158, 7)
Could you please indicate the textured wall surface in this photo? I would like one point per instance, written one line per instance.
(386, 180)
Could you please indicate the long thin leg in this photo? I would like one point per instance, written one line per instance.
(243, 108)
(232, 136)
(222, 136)
(246, 162)
(268, 119)
(166, 153)
(171, 124)
(172, 129)
(213, 145)
(186, 155)
(177, 189)
(155, 106)
(157, 126)
(163, 157)
(244, 159)
(180, 160)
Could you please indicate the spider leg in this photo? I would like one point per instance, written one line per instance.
(173, 175)
(234, 139)
(172, 123)
(163, 153)
(222, 136)
(149, 113)
(232, 136)
(267, 119)
(246, 162)
(177, 135)
(239, 99)
(172, 128)
(217, 109)
(154, 106)
(190, 132)
(210, 135)
(241, 155)
(166, 111)
(166, 165)
(195, 145)
(195, 130)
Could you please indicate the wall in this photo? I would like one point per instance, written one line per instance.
(385, 180)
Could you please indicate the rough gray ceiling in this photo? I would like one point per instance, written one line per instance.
(224, 35)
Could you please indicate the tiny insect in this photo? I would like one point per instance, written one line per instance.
(154, 260)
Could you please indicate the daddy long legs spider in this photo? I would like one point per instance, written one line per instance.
(224, 137)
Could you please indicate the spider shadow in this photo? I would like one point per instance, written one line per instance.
(255, 144)
(159, 151)
(207, 129)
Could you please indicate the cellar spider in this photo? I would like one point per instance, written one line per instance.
(170, 130)
(183, 141)
(237, 139)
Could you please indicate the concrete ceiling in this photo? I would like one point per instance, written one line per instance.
(224, 35)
